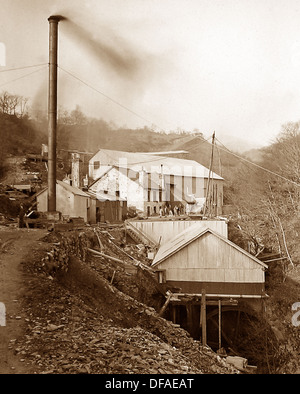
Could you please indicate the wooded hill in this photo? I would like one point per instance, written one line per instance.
(264, 198)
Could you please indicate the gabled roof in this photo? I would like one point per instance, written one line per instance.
(189, 235)
(154, 185)
(69, 188)
(72, 189)
(102, 171)
(149, 162)
(101, 196)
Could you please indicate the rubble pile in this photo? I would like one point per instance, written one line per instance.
(77, 243)
(81, 341)
(58, 257)
(77, 321)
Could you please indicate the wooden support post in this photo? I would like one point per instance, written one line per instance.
(174, 314)
(220, 326)
(189, 317)
(200, 322)
(227, 339)
(99, 240)
(164, 307)
(203, 317)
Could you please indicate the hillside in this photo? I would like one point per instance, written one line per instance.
(78, 314)
(93, 299)
(25, 136)
(72, 312)
(19, 135)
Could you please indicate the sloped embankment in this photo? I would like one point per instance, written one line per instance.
(78, 322)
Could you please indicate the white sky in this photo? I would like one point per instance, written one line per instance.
(229, 66)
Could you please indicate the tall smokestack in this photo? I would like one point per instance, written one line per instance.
(52, 111)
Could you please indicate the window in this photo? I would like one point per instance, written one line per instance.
(96, 165)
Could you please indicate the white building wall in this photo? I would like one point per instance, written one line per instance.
(128, 189)
(67, 203)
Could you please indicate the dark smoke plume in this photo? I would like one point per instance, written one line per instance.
(115, 54)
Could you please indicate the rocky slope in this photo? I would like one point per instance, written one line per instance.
(76, 320)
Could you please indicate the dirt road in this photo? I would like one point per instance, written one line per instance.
(15, 244)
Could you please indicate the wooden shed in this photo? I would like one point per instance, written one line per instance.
(70, 201)
(200, 259)
(109, 208)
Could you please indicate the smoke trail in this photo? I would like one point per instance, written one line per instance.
(123, 70)
(117, 55)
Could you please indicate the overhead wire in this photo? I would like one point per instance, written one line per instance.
(21, 77)
(143, 118)
(106, 96)
(23, 67)
(256, 165)
(223, 147)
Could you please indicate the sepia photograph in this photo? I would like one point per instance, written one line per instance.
(149, 190)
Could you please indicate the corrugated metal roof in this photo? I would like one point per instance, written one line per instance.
(151, 163)
(189, 235)
(170, 152)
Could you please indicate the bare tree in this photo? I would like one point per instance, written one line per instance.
(287, 151)
(12, 104)
(23, 106)
(4, 98)
(77, 117)
(269, 205)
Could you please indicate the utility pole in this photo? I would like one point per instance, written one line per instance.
(203, 317)
(52, 111)
(207, 204)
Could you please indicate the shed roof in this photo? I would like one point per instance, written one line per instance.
(189, 235)
(101, 196)
(69, 188)
(72, 189)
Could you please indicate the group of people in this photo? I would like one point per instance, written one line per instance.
(167, 210)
